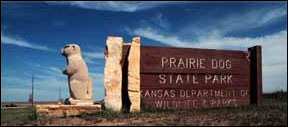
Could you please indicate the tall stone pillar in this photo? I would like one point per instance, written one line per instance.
(113, 73)
(134, 75)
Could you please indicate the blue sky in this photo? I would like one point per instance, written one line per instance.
(32, 34)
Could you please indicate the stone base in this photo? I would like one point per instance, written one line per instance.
(66, 110)
(80, 102)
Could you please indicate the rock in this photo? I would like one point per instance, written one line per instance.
(113, 73)
(134, 75)
(66, 110)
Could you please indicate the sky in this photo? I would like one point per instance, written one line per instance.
(32, 34)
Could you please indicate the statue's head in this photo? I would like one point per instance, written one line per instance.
(71, 49)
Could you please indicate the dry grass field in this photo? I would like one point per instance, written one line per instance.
(273, 112)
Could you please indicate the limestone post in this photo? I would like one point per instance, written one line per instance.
(134, 75)
(113, 73)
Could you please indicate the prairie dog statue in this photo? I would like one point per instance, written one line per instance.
(79, 82)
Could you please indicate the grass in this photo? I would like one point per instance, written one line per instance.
(273, 112)
(18, 116)
(106, 114)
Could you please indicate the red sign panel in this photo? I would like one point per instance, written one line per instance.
(183, 78)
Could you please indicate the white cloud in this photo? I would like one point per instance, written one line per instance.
(88, 60)
(274, 77)
(90, 57)
(119, 6)
(272, 15)
(94, 55)
(273, 44)
(161, 21)
(256, 18)
(56, 70)
(157, 36)
(21, 43)
(233, 22)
